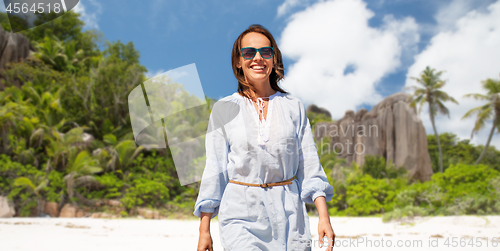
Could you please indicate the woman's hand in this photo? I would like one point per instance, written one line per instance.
(324, 225)
(325, 230)
(205, 241)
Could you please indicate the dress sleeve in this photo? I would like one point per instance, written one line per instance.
(214, 179)
(310, 174)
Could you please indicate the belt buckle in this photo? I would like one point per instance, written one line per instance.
(264, 185)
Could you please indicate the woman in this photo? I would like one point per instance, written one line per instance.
(262, 164)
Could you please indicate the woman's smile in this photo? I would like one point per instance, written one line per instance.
(258, 68)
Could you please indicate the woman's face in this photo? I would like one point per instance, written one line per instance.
(258, 69)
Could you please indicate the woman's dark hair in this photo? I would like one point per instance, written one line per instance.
(277, 73)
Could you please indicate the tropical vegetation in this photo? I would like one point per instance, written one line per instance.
(429, 92)
(66, 137)
(490, 110)
(65, 131)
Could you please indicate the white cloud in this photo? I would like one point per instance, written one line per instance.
(448, 15)
(451, 11)
(407, 32)
(89, 17)
(468, 54)
(329, 37)
(287, 5)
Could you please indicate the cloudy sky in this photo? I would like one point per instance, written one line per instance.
(339, 54)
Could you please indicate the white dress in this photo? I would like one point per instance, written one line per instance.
(242, 148)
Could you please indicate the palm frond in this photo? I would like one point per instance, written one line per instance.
(442, 108)
(476, 96)
(23, 181)
(482, 117)
(42, 185)
(475, 110)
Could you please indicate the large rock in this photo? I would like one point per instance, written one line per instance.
(14, 47)
(114, 203)
(80, 213)
(392, 129)
(68, 211)
(148, 213)
(316, 109)
(6, 208)
(52, 209)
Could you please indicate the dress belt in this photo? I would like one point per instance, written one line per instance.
(281, 183)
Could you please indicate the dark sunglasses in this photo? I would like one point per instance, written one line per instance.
(250, 52)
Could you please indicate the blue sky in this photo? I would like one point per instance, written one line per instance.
(170, 34)
(339, 54)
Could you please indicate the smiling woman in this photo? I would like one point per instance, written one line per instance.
(262, 165)
(257, 71)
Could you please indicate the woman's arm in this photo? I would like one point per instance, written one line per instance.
(314, 182)
(324, 225)
(205, 240)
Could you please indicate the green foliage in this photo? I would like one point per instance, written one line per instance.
(429, 91)
(61, 56)
(359, 194)
(376, 167)
(145, 192)
(457, 151)
(150, 181)
(124, 213)
(65, 133)
(97, 98)
(369, 190)
(72, 90)
(461, 189)
(66, 27)
(317, 117)
(111, 187)
(41, 75)
(4, 21)
(366, 195)
(30, 185)
(487, 111)
(162, 170)
(409, 211)
(329, 159)
(55, 189)
(21, 184)
(117, 51)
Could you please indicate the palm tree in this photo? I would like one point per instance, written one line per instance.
(61, 145)
(59, 54)
(430, 93)
(81, 167)
(17, 117)
(117, 155)
(74, 57)
(486, 111)
(51, 52)
(34, 184)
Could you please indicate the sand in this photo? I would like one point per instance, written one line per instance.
(365, 233)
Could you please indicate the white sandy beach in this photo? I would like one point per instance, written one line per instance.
(83, 234)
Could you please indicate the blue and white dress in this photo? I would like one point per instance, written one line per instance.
(242, 148)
